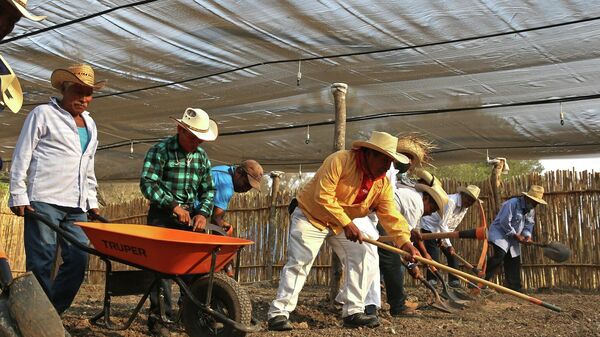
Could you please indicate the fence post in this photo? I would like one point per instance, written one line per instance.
(276, 176)
(495, 182)
(339, 143)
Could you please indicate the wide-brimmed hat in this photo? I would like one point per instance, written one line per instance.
(82, 74)
(416, 146)
(196, 121)
(429, 184)
(12, 94)
(536, 193)
(382, 142)
(470, 190)
(21, 5)
(254, 171)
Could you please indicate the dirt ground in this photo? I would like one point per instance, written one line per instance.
(497, 315)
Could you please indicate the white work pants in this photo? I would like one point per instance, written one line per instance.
(368, 227)
(304, 243)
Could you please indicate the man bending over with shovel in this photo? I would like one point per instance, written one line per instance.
(512, 226)
(349, 184)
(458, 205)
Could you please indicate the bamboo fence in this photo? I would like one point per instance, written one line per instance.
(571, 217)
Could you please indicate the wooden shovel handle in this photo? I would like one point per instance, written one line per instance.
(465, 275)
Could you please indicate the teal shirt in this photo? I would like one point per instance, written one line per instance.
(84, 138)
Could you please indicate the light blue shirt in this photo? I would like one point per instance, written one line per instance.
(84, 138)
(48, 164)
(222, 177)
(513, 218)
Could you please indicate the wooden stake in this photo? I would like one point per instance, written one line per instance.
(339, 143)
(276, 176)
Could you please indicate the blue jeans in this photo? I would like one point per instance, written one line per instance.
(40, 251)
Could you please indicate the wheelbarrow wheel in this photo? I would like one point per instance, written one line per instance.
(227, 297)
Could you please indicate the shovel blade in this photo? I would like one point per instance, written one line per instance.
(556, 251)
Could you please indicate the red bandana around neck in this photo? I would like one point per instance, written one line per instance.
(367, 181)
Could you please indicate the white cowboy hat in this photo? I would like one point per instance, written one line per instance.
(432, 186)
(196, 121)
(536, 193)
(382, 142)
(82, 74)
(12, 95)
(21, 5)
(471, 190)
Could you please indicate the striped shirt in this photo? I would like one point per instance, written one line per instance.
(171, 177)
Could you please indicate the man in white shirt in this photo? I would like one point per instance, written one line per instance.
(425, 198)
(458, 205)
(53, 175)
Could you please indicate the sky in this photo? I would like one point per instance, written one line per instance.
(580, 164)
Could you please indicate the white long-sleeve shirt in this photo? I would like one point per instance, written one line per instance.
(48, 164)
(454, 213)
(410, 204)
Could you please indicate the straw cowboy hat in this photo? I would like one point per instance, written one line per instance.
(21, 5)
(82, 74)
(471, 190)
(196, 121)
(382, 142)
(416, 146)
(12, 95)
(432, 186)
(536, 193)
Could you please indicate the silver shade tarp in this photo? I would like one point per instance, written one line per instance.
(471, 75)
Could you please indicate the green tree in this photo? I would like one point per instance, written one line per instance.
(476, 172)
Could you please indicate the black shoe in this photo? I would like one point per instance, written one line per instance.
(360, 319)
(371, 309)
(279, 323)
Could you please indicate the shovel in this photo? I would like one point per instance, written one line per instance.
(555, 251)
(471, 267)
(495, 286)
(437, 302)
(446, 293)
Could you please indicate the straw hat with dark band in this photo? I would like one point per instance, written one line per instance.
(536, 193)
(382, 142)
(432, 186)
(82, 74)
(21, 5)
(196, 121)
(471, 190)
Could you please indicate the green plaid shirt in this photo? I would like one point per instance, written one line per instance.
(170, 177)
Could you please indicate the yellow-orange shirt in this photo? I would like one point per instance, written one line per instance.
(327, 198)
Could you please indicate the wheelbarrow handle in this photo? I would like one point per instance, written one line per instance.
(466, 275)
(95, 216)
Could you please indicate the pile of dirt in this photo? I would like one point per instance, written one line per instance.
(498, 315)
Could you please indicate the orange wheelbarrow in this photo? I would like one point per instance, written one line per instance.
(214, 304)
